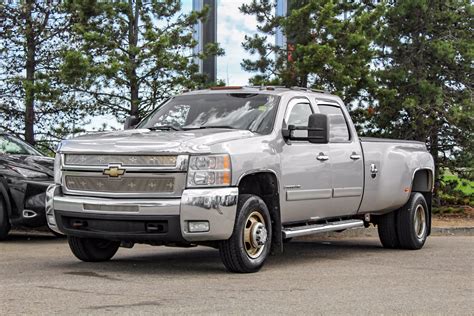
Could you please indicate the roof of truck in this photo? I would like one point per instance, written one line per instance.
(275, 90)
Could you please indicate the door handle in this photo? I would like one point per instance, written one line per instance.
(355, 156)
(322, 157)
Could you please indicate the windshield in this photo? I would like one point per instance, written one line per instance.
(14, 146)
(250, 111)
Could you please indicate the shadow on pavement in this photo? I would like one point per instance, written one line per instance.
(184, 261)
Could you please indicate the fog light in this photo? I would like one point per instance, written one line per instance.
(198, 227)
(51, 220)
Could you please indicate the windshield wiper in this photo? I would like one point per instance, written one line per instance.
(165, 128)
(210, 126)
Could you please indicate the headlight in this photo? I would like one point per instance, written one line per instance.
(27, 173)
(212, 170)
(57, 169)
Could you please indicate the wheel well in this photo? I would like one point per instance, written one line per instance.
(265, 185)
(422, 181)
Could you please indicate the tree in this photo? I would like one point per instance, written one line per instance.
(328, 45)
(425, 78)
(34, 100)
(133, 53)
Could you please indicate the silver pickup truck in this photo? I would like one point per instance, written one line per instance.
(241, 169)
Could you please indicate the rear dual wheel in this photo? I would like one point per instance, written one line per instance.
(249, 246)
(406, 228)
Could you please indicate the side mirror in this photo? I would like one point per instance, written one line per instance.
(130, 122)
(318, 129)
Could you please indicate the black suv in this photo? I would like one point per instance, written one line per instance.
(25, 174)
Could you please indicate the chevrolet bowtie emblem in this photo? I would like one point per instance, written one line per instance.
(114, 172)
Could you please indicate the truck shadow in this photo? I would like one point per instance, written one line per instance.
(173, 262)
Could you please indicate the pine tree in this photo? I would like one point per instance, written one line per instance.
(328, 45)
(35, 103)
(133, 54)
(425, 78)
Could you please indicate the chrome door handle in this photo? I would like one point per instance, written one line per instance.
(355, 156)
(322, 157)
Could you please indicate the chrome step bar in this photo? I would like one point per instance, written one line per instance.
(322, 228)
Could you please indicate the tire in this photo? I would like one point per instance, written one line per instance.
(249, 246)
(93, 250)
(386, 227)
(412, 222)
(4, 221)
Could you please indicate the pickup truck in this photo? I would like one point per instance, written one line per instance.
(241, 169)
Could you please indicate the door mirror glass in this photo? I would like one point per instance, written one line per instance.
(130, 122)
(318, 129)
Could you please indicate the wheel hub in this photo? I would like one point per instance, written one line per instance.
(259, 235)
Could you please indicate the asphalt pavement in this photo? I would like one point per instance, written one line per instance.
(39, 275)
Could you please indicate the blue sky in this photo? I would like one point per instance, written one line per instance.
(232, 26)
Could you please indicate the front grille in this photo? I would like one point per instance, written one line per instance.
(124, 160)
(124, 185)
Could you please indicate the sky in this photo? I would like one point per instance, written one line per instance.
(232, 26)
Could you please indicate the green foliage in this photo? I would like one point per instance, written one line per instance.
(131, 55)
(36, 103)
(329, 46)
(424, 78)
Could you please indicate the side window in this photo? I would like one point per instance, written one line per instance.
(338, 130)
(298, 116)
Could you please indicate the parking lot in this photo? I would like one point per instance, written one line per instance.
(331, 276)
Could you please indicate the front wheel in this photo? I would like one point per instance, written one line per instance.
(93, 250)
(249, 246)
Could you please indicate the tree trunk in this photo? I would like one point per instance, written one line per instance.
(133, 43)
(30, 74)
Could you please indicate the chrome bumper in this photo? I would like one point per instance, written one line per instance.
(217, 206)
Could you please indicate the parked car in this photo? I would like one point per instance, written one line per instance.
(25, 174)
(241, 169)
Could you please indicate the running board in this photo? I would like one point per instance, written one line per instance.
(322, 228)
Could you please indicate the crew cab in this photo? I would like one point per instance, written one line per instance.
(241, 169)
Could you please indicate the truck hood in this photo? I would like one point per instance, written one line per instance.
(147, 141)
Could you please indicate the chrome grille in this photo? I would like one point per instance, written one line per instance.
(125, 160)
(124, 185)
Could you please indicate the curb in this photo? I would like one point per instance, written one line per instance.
(372, 232)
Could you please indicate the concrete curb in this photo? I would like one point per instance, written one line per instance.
(372, 232)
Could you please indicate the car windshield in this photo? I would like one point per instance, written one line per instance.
(247, 111)
(14, 146)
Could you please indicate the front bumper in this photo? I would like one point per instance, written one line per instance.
(147, 220)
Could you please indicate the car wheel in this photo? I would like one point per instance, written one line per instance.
(4, 222)
(93, 250)
(412, 222)
(249, 246)
(386, 226)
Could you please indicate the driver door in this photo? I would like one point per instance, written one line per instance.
(306, 177)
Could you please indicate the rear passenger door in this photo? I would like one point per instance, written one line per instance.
(345, 156)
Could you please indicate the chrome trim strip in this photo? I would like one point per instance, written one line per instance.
(321, 228)
(181, 165)
(145, 206)
(308, 194)
(347, 192)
